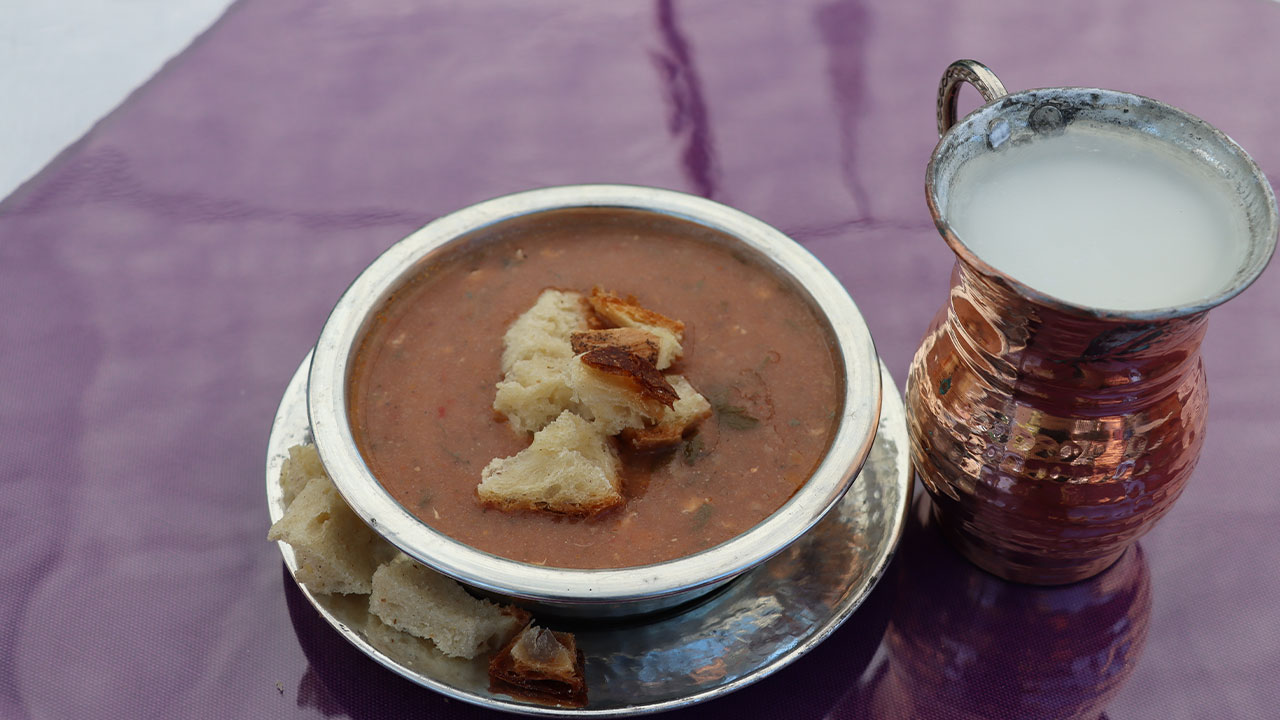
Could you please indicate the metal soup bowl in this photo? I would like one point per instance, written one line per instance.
(593, 592)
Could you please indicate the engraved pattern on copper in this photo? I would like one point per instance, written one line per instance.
(1049, 441)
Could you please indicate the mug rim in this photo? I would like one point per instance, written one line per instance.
(1262, 242)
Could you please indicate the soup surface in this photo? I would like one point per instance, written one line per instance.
(422, 387)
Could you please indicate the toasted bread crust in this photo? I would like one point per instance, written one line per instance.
(549, 680)
(648, 381)
(652, 437)
(580, 509)
(568, 469)
(625, 312)
(336, 551)
(691, 409)
(634, 340)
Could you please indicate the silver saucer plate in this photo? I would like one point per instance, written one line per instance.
(755, 626)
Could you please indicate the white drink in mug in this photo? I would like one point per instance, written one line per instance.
(1058, 402)
(1104, 219)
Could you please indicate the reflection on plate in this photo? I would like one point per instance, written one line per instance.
(753, 627)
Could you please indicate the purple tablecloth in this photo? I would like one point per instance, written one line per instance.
(162, 279)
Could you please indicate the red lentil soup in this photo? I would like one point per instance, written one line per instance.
(422, 386)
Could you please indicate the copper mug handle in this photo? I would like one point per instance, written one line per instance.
(972, 72)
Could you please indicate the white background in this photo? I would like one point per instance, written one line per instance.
(66, 63)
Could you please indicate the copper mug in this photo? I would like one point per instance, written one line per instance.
(1052, 435)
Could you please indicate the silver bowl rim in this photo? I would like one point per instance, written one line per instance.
(855, 433)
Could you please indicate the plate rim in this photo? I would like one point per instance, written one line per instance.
(285, 434)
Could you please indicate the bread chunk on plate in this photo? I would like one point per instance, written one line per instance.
(542, 664)
(298, 469)
(413, 598)
(412, 650)
(336, 551)
(570, 468)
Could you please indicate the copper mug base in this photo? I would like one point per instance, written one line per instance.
(1023, 567)
(1052, 435)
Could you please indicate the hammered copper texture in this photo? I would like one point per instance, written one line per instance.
(1051, 441)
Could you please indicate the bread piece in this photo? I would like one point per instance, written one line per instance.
(411, 597)
(543, 330)
(687, 412)
(533, 393)
(640, 343)
(418, 653)
(614, 398)
(569, 468)
(536, 348)
(301, 466)
(628, 313)
(336, 551)
(542, 664)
